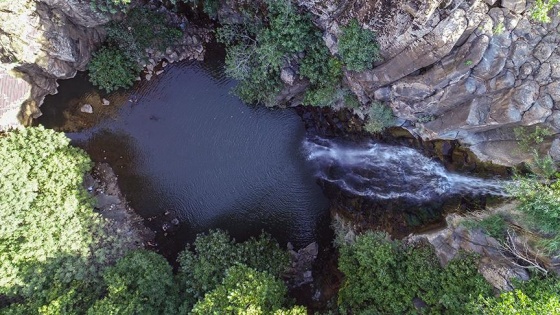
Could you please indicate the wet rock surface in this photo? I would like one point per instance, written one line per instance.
(102, 184)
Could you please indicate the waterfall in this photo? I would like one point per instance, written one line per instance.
(381, 171)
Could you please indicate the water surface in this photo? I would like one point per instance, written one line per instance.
(185, 148)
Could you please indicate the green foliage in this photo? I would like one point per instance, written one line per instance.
(383, 277)
(540, 202)
(357, 47)
(109, 6)
(116, 65)
(324, 73)
(246, 291)
(111, 69)
(541, 10)
(204, 268)
(50, 239)
(527, 140)
(140, 283)
(209, 7)
(351, 101)
(499, 28)
(257, 51)
(494, 225)
(142, 29)
(536, 296)
(379, 118)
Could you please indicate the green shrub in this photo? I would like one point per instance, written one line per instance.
(494, 225)
(140, 283)
(209, 7)
(540, 203)
(357, 47)
(257, 51)
(324, 73)
(527, 140)
(109, 6)
(536, 296)
(204, 268)
(383, 277)
(50, 238)
(246, 291)
(142, 29)
(379, 118)
(541, 10)
(111, 69)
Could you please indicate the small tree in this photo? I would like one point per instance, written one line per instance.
(379, 118)
(357, 47)
(111, 69)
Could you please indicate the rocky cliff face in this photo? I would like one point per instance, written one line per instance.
(471, 70)
(41, 41)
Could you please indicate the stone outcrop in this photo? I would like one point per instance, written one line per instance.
(467, 70)
(496, 267)
(42, 41)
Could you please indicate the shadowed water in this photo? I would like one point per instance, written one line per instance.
(382, 172)
(184, 147)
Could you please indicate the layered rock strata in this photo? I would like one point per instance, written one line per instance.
(471, 70)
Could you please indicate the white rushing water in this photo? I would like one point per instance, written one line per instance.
(381, 171)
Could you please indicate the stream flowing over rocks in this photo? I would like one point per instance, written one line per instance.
(473, 70)
(384, 172)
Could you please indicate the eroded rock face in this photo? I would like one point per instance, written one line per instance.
(479, 68)
(42, 41)
(498, 269)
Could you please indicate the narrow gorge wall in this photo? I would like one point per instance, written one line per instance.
(42, 41)
(467, 70)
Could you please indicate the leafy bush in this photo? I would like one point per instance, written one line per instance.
(204, 268)
(140, 283)
(109, 6)
(324, 73)
(379, 118)
(142, 29)
(246, 291)
(540, 202)
(536, 296)
(528, 139)
(383, 277)
(494, 225)
(111, 69)
(541, 10)
(257, 51)
(357, 47)
(209, 7)
(50, 239)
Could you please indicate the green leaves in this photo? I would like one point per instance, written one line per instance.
(244, 291)
(204, 268)
(49, 236)
(140, 283)
(383, 277)
(357, 47)
(111, 69)
(379, 118)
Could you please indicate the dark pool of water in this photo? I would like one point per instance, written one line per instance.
(184, 147)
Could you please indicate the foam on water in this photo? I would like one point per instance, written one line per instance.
(383, 171)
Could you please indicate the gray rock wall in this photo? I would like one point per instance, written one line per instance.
(476, 69)
(42, 41)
